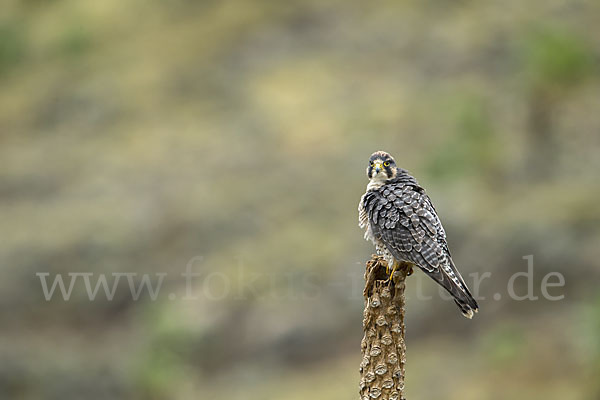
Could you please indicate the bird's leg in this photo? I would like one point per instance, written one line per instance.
(394, 268)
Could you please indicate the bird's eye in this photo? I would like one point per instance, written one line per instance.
(386, 164)
(371, 163)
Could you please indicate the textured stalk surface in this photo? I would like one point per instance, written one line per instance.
(383, 346)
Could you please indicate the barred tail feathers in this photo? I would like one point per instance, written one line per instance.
(451, 280)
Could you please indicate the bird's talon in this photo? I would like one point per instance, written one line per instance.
(394, 267)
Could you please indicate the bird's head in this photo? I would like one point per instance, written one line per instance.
(382, 167)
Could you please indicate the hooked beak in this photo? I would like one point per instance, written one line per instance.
(377, 168)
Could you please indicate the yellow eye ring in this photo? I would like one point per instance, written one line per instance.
(386, 164)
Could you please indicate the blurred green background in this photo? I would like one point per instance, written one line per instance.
(138, 135)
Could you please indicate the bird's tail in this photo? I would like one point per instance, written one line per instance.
(450, 279)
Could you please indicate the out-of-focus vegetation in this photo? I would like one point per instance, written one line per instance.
(136, 135)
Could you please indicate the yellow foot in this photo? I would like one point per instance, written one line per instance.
(394, 268)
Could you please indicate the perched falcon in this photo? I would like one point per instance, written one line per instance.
(399, 218)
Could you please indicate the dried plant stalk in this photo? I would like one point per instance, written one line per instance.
(383, 346)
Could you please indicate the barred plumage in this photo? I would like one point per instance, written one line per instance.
(402, 223)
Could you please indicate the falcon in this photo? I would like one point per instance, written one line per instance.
(400, 220)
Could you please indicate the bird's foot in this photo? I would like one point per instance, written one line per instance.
(394, 268)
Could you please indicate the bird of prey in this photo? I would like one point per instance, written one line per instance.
(399, 218)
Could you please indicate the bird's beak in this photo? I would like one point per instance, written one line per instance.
(378, 168)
